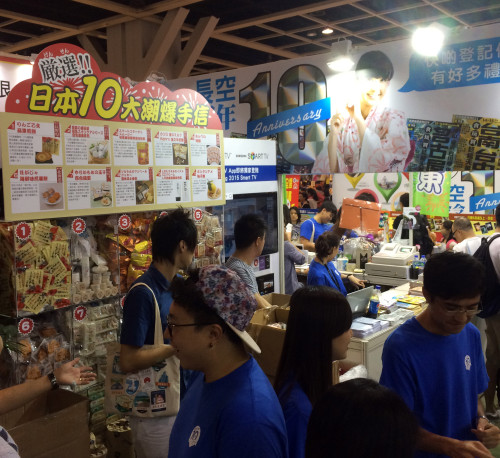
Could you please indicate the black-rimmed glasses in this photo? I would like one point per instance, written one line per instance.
(171, 326)
(451, 309)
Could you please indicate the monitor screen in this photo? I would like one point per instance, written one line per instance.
(263, 204)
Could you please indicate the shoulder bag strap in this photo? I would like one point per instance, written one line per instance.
(158, 340)
(312, 234)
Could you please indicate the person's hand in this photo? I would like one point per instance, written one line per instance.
(354, 109)
(336, 122)
(356, 281)
(467, 449)
(69, 374)
(487, 433)
(432, 235)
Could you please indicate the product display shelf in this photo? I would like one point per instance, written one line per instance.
(63, 283)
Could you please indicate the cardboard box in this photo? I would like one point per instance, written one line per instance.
(360, 214)
(269, 339)
(55, 425)
(281, 300)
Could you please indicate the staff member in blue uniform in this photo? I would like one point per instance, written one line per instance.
(322, 270)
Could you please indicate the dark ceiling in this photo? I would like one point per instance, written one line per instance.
(247, 32)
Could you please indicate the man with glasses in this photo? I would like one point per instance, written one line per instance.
(173, 240)
(435, 362)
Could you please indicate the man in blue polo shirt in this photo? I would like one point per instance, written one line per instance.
(173, 240)
(312, 228)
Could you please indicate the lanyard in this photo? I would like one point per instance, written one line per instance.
(333, 277)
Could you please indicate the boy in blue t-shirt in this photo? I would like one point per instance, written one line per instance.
(435, 361)
(312, 228)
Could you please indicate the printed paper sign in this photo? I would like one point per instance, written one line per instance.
(132, 147)
(37, 190)
(87, 145)
(207, 184)
(173, 186)
(89, 188)
(134, 187)
(205, 149)
(171, 148)
(33, 142)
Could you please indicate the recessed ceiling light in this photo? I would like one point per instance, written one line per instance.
(311, 34)
(327, 31)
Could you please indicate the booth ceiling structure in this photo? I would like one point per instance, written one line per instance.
(194, 37)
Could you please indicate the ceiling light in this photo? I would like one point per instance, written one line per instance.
(327, 31)
(311, 34)
(339, 58)
(429, 40)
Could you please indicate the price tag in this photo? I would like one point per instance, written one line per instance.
(80, 313)
(124, 222)
(23, 231)
(25, 326)
(198, 214)
(78, 226)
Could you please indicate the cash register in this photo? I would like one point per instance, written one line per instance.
(393, 260)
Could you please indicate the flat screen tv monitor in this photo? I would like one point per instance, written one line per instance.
(263, 204)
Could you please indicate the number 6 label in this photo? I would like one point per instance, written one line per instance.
(25, 326)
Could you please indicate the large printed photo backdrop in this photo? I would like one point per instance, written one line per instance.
(395, 112)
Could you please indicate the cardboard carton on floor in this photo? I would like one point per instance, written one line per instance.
(55, 425)
(270, 339)
(281, 300)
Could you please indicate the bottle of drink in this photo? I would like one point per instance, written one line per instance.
(423, 260)
(374, 303)
(415, 268)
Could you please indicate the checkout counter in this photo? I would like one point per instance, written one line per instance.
(391, 265)
(368, 350)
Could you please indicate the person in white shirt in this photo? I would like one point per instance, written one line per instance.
(493, 334)
(468, 241)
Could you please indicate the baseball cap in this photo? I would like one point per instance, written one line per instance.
(227, 295)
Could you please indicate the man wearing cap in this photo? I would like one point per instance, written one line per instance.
(230, 409)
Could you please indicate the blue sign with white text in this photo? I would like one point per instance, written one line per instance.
(242, 173)
(289, 119)
(457, 65)
(488, 202)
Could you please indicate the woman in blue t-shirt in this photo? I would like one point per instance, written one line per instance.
(305, 369)
(322, 270)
